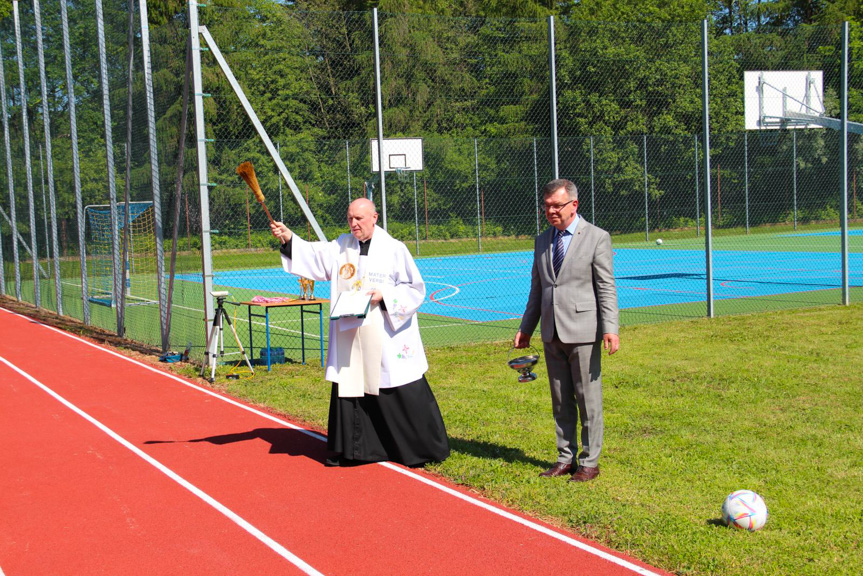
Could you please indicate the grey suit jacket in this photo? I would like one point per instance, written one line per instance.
(581, 302)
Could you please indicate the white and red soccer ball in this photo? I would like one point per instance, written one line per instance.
(744, 509)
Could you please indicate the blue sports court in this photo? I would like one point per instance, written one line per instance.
(489, 287)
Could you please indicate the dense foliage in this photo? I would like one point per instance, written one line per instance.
(471, 78)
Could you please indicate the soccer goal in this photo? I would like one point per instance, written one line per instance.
(139, 278)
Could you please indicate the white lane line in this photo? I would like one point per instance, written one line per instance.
(524, 522)
(242, 523)
(494, 509)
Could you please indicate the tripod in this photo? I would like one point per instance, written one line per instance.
(216, 341)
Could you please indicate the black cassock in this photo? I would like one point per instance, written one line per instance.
(401, 424)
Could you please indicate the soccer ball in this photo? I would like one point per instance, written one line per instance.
(659, 241)
(744, 509)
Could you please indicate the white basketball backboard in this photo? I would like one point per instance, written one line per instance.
(772, 99)
(399, 154)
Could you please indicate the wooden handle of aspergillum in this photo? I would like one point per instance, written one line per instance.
(264, 206)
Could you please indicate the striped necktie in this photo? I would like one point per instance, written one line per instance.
(557, 257)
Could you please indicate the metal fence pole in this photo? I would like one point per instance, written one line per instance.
(553, 93)
(646, 196)
(746, 175)
(34, 251)
(203, 183)
(592, 186)
(380, 116)
(13, 223)
(154, 174)
(76, 165)
(794, 173)
(843, 210)
(348, 155)
(109, 157)
(476, 172)
(416, 215)
(697, 200)
(52, 197)
(535, 187)
(44, 203)
(705, 107)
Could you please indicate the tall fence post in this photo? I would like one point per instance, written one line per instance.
(76, 165)
(46, 122)
(746, 175)
(109, 157)
(592, 186)
(154, 173)
(553, 94)
(13, 222)
(535, 188)
(476, 172)
(843, 210)
(705, 107)
(127, 149)
(794, 173)
(380, 116)
(646, 195)
(44, 203)
(34, 251)
(203, 183)
(697, 200)
(348, 156)
(416, 215)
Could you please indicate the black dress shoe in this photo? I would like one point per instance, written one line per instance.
(559, 469)
(584, 474)
(341, 461)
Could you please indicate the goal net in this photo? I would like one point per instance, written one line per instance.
(139, 278)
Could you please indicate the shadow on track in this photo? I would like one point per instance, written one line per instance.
(281, 440)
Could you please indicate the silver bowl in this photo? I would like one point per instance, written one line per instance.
(522, 365)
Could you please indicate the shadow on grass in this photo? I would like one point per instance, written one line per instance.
(491, 451)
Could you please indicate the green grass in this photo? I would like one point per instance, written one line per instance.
(694, 410)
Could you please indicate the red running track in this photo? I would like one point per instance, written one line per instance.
(110, 466)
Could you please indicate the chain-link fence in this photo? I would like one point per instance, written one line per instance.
(627, 126)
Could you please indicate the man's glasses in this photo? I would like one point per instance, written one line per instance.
(556, 207)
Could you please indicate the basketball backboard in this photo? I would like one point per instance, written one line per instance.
(782, 99)
(400, 154)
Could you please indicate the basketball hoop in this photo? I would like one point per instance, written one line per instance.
(402, 174)
(399, 155)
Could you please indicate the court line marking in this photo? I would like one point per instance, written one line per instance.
(446, 489)
(453, 287)
(224, 510)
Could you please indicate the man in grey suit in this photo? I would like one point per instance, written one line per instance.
(572, 291)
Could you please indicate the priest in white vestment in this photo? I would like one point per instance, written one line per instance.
(381, 406)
